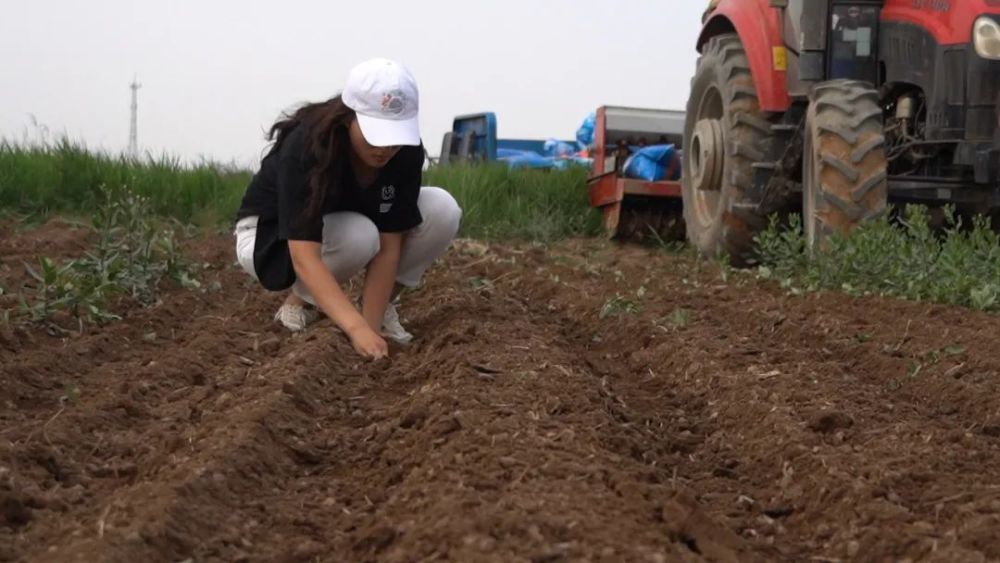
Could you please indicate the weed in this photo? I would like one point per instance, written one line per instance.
(66, 287)
(678, 247)
(481, 284)
(71, 394)
(910, 260)
(677, 320)
(618, 305)
(954, 350)
(131, 257)
(725, 268)
(680, 318)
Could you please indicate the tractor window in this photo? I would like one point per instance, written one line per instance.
(853, 47)
(793, 31)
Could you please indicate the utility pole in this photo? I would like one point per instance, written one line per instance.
(133, 133)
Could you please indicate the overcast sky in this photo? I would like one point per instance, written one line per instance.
(215, 73)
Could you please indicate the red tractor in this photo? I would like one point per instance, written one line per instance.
(838, 106)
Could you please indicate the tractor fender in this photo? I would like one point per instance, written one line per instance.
(759, 28)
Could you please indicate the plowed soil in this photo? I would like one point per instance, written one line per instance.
(579, 402)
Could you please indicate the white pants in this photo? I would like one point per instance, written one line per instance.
(351, 240)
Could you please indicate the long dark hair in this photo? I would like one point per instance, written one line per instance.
(327, 142)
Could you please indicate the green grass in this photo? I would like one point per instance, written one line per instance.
(959, 266)
(498, 203)
(66, 177)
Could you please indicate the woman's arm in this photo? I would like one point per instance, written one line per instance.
(330, 298)
(381, 279)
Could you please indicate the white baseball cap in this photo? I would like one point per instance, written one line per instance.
(384, 95)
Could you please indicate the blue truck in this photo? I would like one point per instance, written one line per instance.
(473, 138)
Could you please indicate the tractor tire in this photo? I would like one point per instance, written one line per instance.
(725, 133)
(844, 178)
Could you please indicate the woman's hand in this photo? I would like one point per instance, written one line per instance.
(368, 343)
(331, 300)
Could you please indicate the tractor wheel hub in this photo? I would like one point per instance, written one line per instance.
(707, 155)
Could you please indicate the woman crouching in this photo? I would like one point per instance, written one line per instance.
(340, 192)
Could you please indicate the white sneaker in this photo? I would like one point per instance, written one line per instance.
(296, 317)
(392, 329)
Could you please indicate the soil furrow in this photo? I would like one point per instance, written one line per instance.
(583, 401)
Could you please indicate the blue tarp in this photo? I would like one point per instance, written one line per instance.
(585, 134)
(524, 159)
(653, 163)
(559, 155)
(559, 149)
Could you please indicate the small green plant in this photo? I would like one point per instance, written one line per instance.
(618, 305)
(726, 269)
(481, 284)
(862, 337)
(954, 350)
(71, 394)
(680, 318)
(985, 297)
(65, 288)
(670, 247)
(782, 249)
(134, 251)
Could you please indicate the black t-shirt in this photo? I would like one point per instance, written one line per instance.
(279, 195)
(280, 190)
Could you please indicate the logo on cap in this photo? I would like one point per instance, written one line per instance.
(392, 102)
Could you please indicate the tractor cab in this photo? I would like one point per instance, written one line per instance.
(830, 40)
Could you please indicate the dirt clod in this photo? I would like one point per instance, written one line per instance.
(15, 513)
(827, 422)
